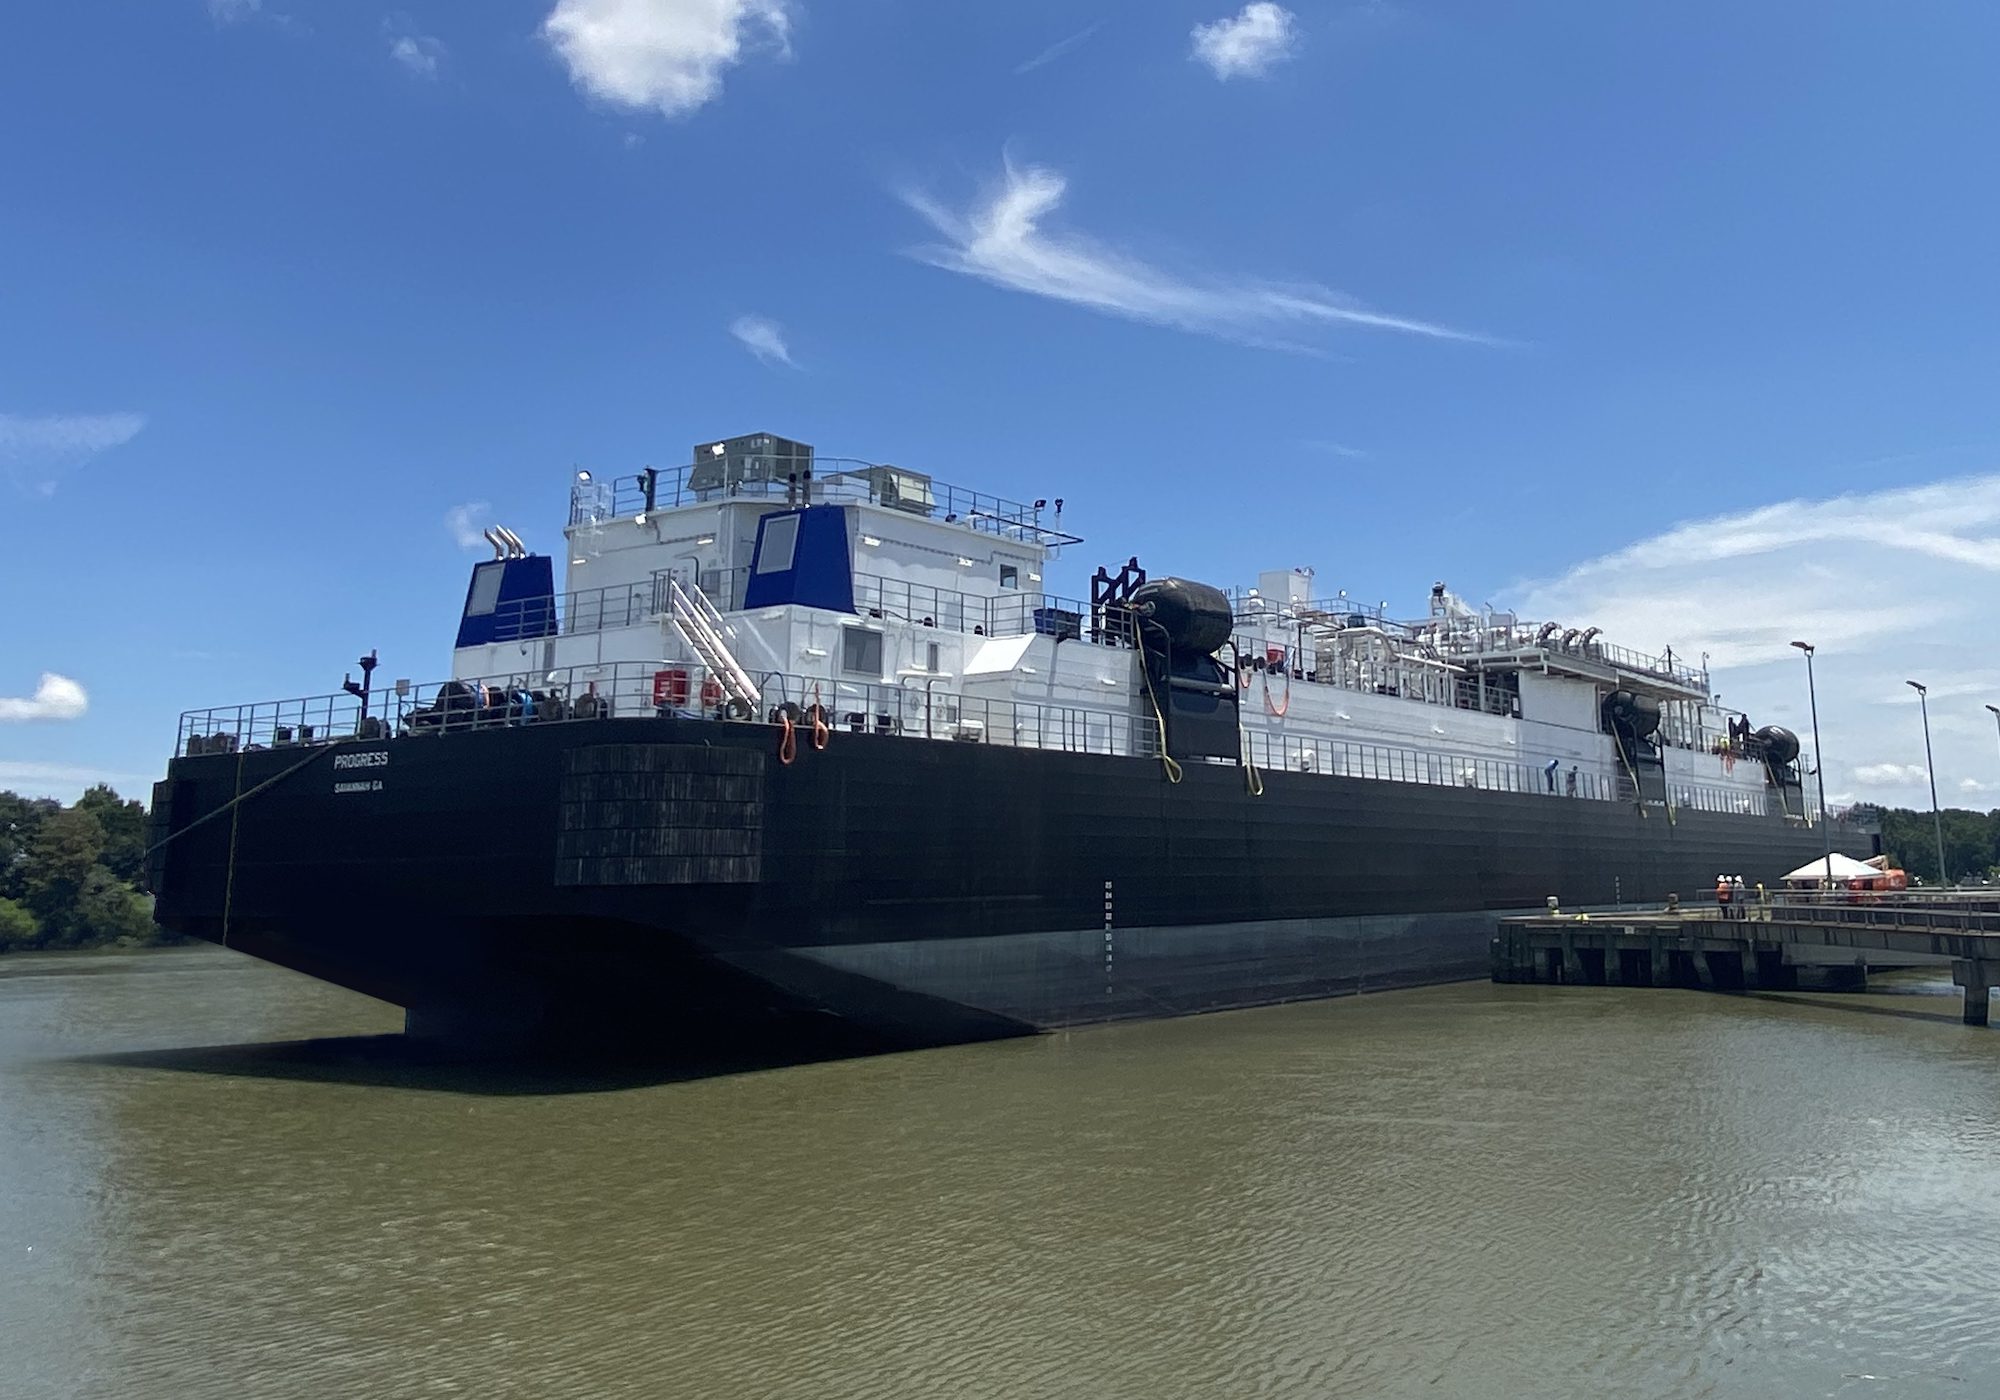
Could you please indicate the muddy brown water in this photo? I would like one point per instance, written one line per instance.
(219, 1179)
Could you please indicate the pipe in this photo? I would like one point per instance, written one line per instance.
(499, 549)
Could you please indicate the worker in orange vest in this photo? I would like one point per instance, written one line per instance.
(1722, 892)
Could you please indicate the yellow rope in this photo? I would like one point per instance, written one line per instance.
(1166, 759)
(1638, 796)
(234, 807)
(235, 824)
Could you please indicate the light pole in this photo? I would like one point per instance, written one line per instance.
(1996, 714)
(1819, 762)
(1937, 822)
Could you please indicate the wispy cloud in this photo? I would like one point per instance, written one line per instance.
(64, 781)
(1002, 239)
(464, 523)
(233, 11)
(762, 337)
(1886, 584)
(1333, 449)
(57, 697)
(417, 53)
(36, 451)
(667, 55)
(1060, 47)
(1249, 44)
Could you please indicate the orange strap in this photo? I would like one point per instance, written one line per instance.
(820, 731)
(788, 746)
(1278, 710)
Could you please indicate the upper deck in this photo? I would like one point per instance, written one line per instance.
(1470, 642)
(817, 481)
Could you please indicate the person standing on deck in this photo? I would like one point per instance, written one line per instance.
(1722, 894)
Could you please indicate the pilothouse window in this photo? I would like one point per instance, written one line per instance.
(1010, 577)
(781, 538)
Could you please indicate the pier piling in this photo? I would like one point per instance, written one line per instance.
(1976, 976)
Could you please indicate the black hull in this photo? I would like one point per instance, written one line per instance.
(665, 877)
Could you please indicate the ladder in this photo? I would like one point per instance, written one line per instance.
(701, 626)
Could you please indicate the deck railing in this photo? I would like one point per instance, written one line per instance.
(1006, 614)
(834, 481)
(915, 708)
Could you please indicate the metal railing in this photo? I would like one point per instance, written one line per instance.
(834, 481)
(1006, 614)
(1460, 638)
(1887, 908)
(1402, 764)
(586, 610)
(629, 690)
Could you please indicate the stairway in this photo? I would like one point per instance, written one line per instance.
(702, 627)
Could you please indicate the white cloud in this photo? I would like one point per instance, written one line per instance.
(232, 11)
(417, 53)
(36, 451)
(762, 337)
(65, 781)
(57, 697)
(668, 55)
(466, 522)
(1890, 584)
(1248, 45)
(1002, 241)
(1972, 787)
(1059, 48)
(1891, 774)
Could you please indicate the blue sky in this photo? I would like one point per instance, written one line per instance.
(1669, 318)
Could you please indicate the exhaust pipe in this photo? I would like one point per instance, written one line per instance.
(499, 549)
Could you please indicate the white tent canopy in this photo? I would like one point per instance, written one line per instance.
(1844, 868)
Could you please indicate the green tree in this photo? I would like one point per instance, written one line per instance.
(20, 819)
(18, 928)
(108, 910)
(124, 826)
(60, 858)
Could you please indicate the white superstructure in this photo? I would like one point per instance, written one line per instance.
(763, 582)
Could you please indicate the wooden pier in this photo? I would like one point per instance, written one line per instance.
(1700, 948)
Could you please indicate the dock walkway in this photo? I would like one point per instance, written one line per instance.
(1701, 948)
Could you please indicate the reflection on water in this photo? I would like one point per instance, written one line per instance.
(1466, 1191)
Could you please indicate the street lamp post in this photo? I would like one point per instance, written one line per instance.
(1996, 714)
(1937, 821)
(1819, 761)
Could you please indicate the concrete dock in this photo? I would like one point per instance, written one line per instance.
(1769, 949)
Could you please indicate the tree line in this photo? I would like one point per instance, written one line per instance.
(1971, 842)
(70, 876)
